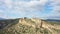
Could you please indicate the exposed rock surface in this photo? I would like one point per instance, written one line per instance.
(28, 26)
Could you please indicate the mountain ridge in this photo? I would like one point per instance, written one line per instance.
(53, 20)
(29, 26)
(2, 18)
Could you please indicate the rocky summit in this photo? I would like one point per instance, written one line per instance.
(28, 26)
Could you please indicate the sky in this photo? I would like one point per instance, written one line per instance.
(30, 8)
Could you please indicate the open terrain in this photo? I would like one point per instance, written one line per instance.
(28, 26)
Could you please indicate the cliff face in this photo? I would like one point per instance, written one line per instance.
(29, 26)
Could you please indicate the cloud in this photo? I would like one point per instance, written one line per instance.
(55, 13)
(56, 5)
(1, 11)
(3, 15)
(17, 7)
(20, 4)
(30, 7)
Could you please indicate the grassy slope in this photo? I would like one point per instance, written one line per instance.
(30, 26)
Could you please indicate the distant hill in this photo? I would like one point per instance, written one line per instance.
(52, 20)
(2, 18)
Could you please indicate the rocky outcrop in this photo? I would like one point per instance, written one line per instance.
(29, 26)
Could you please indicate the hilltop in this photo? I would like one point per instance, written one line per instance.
(28, 26)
